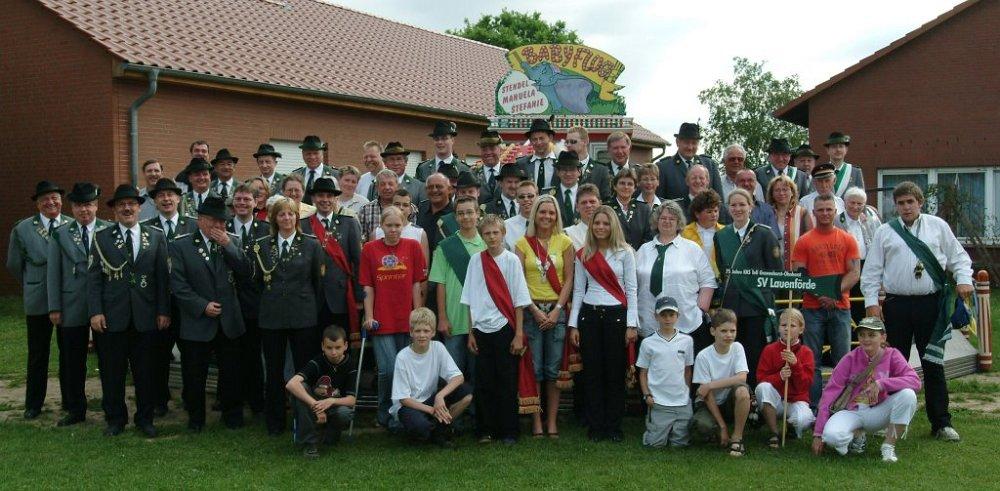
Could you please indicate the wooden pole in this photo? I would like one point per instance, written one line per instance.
(985, 322)
(788, 345)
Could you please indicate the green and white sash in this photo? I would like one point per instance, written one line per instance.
(843, 179)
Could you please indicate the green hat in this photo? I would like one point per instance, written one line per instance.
(804, 150)
(266, 149)
(325, 185)
(779, 145)
(689, 131)
(125, 191)
(872, 324)
(489, 138)
(46, 187)
(223, 154)
(837, 137)
(444, 128)
(466, 180)
(823, 171)
(540, 125)
(164, 184)
(312, 142)
(214, 206)
(568, 158)
(83, 192)
(394, 148)
(197, 164)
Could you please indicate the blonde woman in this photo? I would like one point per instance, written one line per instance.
(261, 191)
(793, 219)
(604, 319)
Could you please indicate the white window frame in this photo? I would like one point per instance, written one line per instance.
(291, 155)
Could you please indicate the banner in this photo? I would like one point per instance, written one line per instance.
(821, 286)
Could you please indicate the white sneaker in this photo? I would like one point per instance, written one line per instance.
(858, 444)
(889, 453)
(948, 434)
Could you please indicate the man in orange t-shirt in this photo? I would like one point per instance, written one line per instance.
(823, 251)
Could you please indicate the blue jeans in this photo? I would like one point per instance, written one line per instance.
(831, 326)
(386, 347)
(546, 346)
(458, 348)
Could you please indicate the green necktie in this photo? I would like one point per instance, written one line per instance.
(656, 276)
(284, 250)
(52, 226)
(568, 207)
(245, 236)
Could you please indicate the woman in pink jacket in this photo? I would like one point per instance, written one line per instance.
(883, 397)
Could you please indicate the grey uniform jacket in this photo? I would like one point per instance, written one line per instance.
(249, 290)
(185, 225)
(528, 167)
(765, 173)
(198, 277)
(673, 175)
(429, 166)
(138, 291)
(290, 286)
(347, 232)
(27, 257)
(599, 174)
(67, 273)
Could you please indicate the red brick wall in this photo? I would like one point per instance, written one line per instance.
(935, 102)
(55, 111)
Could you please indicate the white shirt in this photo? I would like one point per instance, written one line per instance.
(364, 183)
(642, 199)
(135, 237)
(282, 241)
(199, 198)
(438, 161)
(890, 262)
(728, 185)
(615, 168)
(706, 234)
(665, 360)
(486, 317)
(239, 224)
(856, 229)
(46, 220)
(741, 231)
(577, 233)
(587, 290)
(809, 200)
(416, 376)
(172, 221)
(88, 230)
(410, 231)
(549, 161)
(515, 226)
(230, 184)
(506, 204)
(354, 203)
(711, 365)
(685, 271)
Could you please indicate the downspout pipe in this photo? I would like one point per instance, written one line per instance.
(133, 125)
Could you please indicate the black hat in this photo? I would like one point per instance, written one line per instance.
(444, 128)
(223, 154)
(214, 206)
(467, 180)
(312, 142)
(46, 187)
(266, 149)
(568, 158)
(394, 148)
(837, 137)
(689, 131)
(449, 171)
(164, 184)
(804, 150)
(325, 185)
(825, 169)
(539, 125)
(666, 303)
(84, 192)
(197, 164)
(779, 145)
(489, 138)
(511, 170)
(126, 191)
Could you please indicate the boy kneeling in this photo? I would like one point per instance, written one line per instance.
(786, 361)
(721, 370)
(423, 409)
(664, 362)
(324, 393)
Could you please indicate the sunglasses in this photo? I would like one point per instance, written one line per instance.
(526, 196)
(572, 142)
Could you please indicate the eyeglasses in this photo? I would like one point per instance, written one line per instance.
(572, 142)
(526, 196)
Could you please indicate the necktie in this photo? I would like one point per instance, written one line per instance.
(199, 200)
(224, 191)
(128, 245)
(493, 179)
(170, 229)
(245, 235)
(326, 223)
(85, 238)
(52, 226)
(284, 250)
(312, 176)
(568, 207)
(512, 211)
(540, 179)
(656, 276)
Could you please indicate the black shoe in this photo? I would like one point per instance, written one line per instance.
(195, 427)
(30, 414)
(311, 451)
(114, 429)
(616, 438)
(441, 437)
(71, 419)
(148, 430)
(160, 410)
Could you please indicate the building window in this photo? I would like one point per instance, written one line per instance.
(599, 151)
(291, 155)
(975, 187)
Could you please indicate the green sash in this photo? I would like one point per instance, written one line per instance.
(843, 176)
(457, 256)
(728, 244)
(448, 225)
(934, 352)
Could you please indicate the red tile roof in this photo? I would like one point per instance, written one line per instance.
(644, 135)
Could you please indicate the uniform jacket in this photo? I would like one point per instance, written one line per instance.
(290, 287)
(67, 273)
(856, 179)
(416, 188)
(347, 232)
(197, 277)
(598, 173)
(188, 206)
(634, 221)
(27, 257)
(249, 290)
(138, 291)
(524, 163)
(765, 173)
(428, 167)
(324, 171)
(185, 225)
(760, 252)
(673, 174)
(570, 219)
(495, 206)
(485, 192)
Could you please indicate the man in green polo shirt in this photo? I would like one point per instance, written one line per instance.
(451, 258)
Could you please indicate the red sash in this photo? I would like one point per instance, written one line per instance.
(333, 249)
(599, 268)
(543, 255)
(497, 287)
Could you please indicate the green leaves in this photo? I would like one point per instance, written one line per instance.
(511, 29)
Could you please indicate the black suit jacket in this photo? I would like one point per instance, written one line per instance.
(525, 164)
(673, 174)
(567, 217)
(496, 207)
(290, 286)
(635, 222)
(198, 277)
(138, 291)
(762, 252)
(249, 290)
(598, 173)
(765, 174)
(346, 231)
(428, 167)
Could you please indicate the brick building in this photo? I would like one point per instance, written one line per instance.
(925, 108)
(234, 72)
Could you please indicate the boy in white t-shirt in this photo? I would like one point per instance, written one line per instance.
(424, 411)
(665, 360)
(721, 370)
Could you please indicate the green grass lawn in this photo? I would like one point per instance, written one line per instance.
(36, 455)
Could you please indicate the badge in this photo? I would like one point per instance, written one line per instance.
(918, 270)
(142, 282)
(777, 252)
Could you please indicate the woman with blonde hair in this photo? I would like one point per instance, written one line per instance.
(793, 219)
(604, 319)
(261, 191)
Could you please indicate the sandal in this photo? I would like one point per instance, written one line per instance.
(554, 435)
(538, 435)
(774, 442)
(737, 449)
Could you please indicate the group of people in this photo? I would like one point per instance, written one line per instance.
(493, 287)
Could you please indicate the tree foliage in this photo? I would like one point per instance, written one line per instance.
(511, 29)
(740, 111)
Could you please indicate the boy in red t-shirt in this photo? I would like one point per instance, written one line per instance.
(823, 251)
(392, 269)
(789, 360)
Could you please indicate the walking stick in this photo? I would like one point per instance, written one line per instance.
(357, 379)
(784, 414)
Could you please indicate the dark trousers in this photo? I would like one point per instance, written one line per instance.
(195, 357)
(328, 318)
(116, 353)
(311, 433)
(73, 367)
(702, 336)
(857, 308)
(163, 347)
(496, 384)
(304, 344)
(750, 333)
(39, 339)
(419, 425)
(602, 347)
(909, 320)
(252, 365)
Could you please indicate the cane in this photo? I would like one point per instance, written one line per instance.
(784, 414)
(357, 379)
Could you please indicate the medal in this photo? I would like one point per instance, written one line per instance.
(142, 282)
(918, 270)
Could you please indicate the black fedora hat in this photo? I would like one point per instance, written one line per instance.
(125, 191)
(46, 187)
(837, 137)
(83, 192)
(325, 185)
(490, 138)
(823, 170)
(394, 148)
(539, 124)
(164, 184)
(511, 170)
(198, 164)
(568, 158)
(444, 128)
(779, 145)
(312, 142)
(266, 149)
(466, 180)
(223, 154)
(449, 171)
(804, 150)
(689, 131)
(214, 206)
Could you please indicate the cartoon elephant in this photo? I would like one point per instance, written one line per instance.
(562, 90)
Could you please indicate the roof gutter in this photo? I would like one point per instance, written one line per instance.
(300, 93)
(133, 125)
